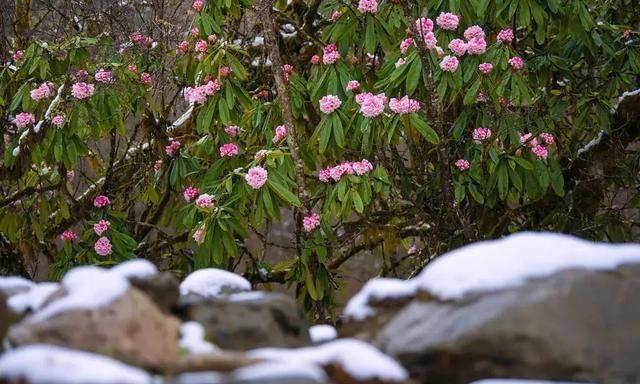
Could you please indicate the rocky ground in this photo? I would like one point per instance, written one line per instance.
(530, 306)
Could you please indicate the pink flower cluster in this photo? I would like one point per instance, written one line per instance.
(23, 119)
(205, 201)
(448, 21)
(68, 236)
(57, 120)
(516, 62)
(458, 47)
(350, 168)
(449, 63)
(172, 148)
(17, 55)
(224, 71)
(335, 16)
(198, 235)
(41, 92)
(101, 226)
(197, 5)
(330, 54)
(103, 246)
(281, 133)
(353, 85)
(201, 46)
(82, 90)
(231, 130)
(405, 44)
(506, 35)
(314, 60)
(190, 193)
(539, 148)
(182, 48)
(101, 201)
(287, 70)
(404, 105)
(256, 177)
(485, 68)
(481, 134)
(474, 32)
(329, 103)
(368, 6)
(145, 78)
(228, 150)
(104, 76)
(311, 222)
(540, 151)
(199, 94)
(462, 165)
(371, 105)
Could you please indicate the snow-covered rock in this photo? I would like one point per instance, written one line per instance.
(10, 285)
(322, 333)
(136, 268)
(212, 282)
(281, 372)
(33, 299)
(192, 339)
(48, 364)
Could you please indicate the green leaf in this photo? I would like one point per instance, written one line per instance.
(283, 193)
(425, 130)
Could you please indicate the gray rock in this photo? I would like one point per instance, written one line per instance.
(249, 320)
(574, 326)
(162, 288)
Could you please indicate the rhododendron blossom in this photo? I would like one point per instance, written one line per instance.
(82, 90)
(540, 151)
(256, 177)
(547, 138)
(103, 246)
(58, 120)
(458, 47)
(371, 105)
(212, 39)
(506, 35)
(23, 119)
(368, 6)
(104, 76)
(231, 130)
(447, 21)
(485, 68)
(195, 32)
(224, 71)
(474, 32)
(68, 235)
(481, 134)
(405, 44)
(477, 46)
(350, 168)
(172, 148)
(329, 103)
(197, 5)
(400, 62)
(190, 193)
(311, 222)
(101, 226)
(516, 62)
(228, 150)
(183, 47)
(281, 133)
(527, 139)
(462, 164)
(424, 26)
(101, 201)
(17, 55)
(330, 54)
(201, 46)
(198, 235)
(205, 201)
(145, 78)
(335, 16)
(353, 85)
(41, 92)
(404, 105)
(449, 64)
(315, 60)
(430, 40)
(261, 154)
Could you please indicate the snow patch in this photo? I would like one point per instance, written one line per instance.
(136, 268)
(209, 377)
(357, 358)
(247, 296)
(615, 107)
(517, 381)
(378, 289)
(212, 282)
(322, 333)
(41, 363)
(33, 299)
(192, 339)
(280, 370)
(10, 285)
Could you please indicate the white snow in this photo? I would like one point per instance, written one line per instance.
(357, 358)
(33, 299)
(212, 282)
(595, 141)
(615, 107)
(192, 339)
(87, 287)
(41, 363)
(497, 264)
(136, 268)
(280, 370)
(247, 296)
(208, 377)
(322, 333)
(518, 381)
(10, 285)
(257, 41)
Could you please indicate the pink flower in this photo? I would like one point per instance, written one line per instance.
(197, 5)
(481, 134)
(353, 85)
(190, 193)
(449, 64)
(104, 76)
(400, 62)
(68, 236)
(368, 6)
(101, 226)
(547, 138)
(137, 37)
(362, 167)
(485, 68)
(228, 150)
(132, 68)
(82, 90)
(212, 39)
(447, 21)
(261, 154)
(231, 130)
(424, 26)
(329, 103)
(201, 46)
(462, 165)
(481, 97)
(315, 60)
(458, 47)
(540, 151)
(211, 87)
(158, 165)
(23, 119)
(430, 40)
(474, 32)
(182, 47)
(256, 177)
(330, 54)
(205, 201)
(325, 175)
(42, 92)
(477, 46)
(335, 16)
(281, 133)
(198, 235)
(336, 172)
(527, 140)
(311, 222)
(195, 32)
(103, 246)
(287, 70)
(145, 78)
(17, 55)
(404, 105)
(195, 95)
(516, 62)
(224, 71)
(506, 35)
(405, 44)
(371, 105)
(172, 148)
(81, 75)
(101, 201)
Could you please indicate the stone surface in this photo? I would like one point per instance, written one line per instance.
(249, 320)
(573, 326)
(162, 288)
(131, 329)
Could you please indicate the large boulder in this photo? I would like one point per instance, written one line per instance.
(161, 287)
(249, 320)
(533, 306)
(100, 312)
